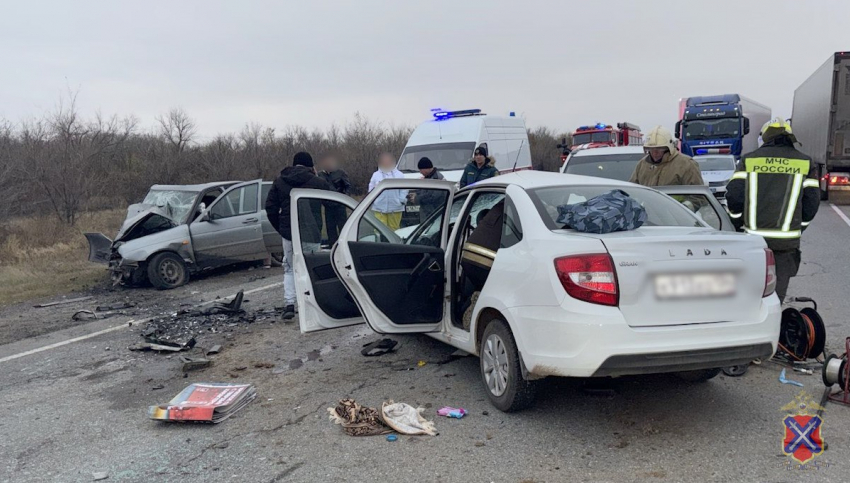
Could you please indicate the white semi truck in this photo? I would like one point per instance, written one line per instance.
(820, 120)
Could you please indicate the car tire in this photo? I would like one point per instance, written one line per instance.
(166, 271)
(698, 376)
(501, 372)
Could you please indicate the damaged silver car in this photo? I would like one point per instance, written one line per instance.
(179, 230)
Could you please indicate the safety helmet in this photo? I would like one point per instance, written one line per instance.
(659, 137)
(776, 127)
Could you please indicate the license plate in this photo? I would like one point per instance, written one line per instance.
(701, 285)
(412, 208)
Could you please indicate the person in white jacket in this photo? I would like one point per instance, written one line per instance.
(389, 206)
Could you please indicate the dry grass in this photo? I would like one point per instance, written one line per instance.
(41, 256)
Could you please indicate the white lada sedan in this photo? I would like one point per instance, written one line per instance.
(676, 295)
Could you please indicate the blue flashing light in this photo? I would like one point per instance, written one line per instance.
(600, 125)
(513, 114)
(441, 115)
(702, 151)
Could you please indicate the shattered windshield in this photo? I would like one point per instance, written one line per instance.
(176, 203)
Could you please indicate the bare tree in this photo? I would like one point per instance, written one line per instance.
(10, 190)
(177, 128)
(69, 159)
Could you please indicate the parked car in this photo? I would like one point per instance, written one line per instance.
(616, 162)
(717, 170)
(178, 230)
(675, 295)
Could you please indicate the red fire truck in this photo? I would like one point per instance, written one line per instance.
(624, 134)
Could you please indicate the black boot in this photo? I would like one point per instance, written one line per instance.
(289, 312)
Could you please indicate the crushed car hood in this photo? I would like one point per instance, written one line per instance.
(144, 214)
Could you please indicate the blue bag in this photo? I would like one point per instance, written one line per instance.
(612, 211)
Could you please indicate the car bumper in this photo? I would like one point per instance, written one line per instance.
(602, 344)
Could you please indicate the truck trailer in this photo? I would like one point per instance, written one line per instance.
(820, 120)
(724, 124)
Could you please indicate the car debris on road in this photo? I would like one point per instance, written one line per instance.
(379, 347)
(194, 363)
(180, 330)
(63, 302)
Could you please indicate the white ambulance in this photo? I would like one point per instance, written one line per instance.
(449, 139)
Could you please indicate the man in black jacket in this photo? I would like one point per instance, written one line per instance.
(300, 175)
(429, 200)
(776, 195)
(337, 178)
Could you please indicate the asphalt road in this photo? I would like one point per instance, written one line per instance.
(77, 408)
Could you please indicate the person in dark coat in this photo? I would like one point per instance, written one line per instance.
(776, 194)
(337, 178)
(480, 168)
(429, 200)
(301, 174)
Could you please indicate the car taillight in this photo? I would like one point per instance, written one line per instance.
(591, 278)
(839, 180)
(769, 273)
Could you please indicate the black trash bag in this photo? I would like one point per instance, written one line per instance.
(606, 213)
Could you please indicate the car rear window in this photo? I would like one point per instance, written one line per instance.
(661, 210)
(610, 166)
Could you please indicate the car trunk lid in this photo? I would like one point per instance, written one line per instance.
(682, 275)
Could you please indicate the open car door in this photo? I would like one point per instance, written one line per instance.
(703, 202)
(323, 301)
(398, 283)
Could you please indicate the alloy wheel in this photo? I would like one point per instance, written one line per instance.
(495, 360)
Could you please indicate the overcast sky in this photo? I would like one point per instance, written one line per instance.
(312, 63)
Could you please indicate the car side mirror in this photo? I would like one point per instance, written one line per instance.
(746, 126)
(678, 127)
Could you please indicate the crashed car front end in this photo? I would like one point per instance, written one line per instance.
(127, 262)
(143, 234)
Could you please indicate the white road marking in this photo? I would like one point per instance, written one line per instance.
(121, 326)
(841, 214)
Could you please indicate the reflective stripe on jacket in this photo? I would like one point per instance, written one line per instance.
(775, 194)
